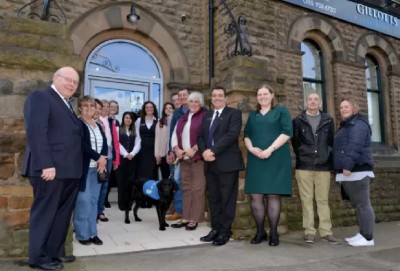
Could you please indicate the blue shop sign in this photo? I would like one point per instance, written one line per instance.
(356, 13)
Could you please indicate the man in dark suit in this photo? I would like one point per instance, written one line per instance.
(53, 162)
(218, 142)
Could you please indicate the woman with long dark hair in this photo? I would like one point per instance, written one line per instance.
(129, 146)
(146, 127)
(161, 141)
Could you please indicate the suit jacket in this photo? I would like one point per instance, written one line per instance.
(226, 148)
(54, 136)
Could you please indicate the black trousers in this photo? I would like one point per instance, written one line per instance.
(126, 174)
(165, 168)
(50, 218)
(222, 190)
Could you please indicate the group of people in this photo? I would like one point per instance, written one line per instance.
(318, 151)
(206, 144)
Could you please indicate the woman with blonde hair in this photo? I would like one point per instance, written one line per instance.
(353, 163)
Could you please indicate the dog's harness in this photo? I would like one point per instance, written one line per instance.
(150, 189)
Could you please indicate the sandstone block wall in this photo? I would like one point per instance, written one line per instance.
(31, 50)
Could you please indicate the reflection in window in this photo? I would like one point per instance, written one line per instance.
(135, 60)
(125, 71)
(312, 67)
(155, 96)
(374, 96)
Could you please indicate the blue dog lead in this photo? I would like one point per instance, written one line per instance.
(150, 189)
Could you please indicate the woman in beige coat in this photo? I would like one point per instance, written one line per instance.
(162, 137)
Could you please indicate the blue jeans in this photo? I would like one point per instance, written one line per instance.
(178, 193)
(103, 190)
(85, 212)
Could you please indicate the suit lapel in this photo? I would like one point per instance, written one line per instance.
(62, 105)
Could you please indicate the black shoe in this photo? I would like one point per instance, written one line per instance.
(274, 240)
(65, 259)
(210, 236)
(85, 242)
(179, 225)
(96, 240)
(191, 226)
(102, 217)
(107, 204)
(259, 238)
(221, 239)
(47, 266)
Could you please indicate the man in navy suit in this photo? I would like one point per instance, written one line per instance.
(53, 163)
(218, 142)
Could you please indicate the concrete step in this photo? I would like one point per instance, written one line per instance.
(36, 59)
(38, 27)
(35, 41)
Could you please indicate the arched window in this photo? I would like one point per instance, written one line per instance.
(374, 95)
(313, 70)
(124, 71)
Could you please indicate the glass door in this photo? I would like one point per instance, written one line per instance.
(130, 96)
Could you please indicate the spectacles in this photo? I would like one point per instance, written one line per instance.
(69, 80)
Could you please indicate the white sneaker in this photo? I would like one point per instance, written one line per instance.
(355, 237)
(362, 242)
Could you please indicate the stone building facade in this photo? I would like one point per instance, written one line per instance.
(169, 47)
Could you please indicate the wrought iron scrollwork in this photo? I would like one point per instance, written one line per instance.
(242, 43)
(103, 61)
(46, 15)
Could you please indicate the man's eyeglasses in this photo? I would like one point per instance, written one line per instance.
(69, 80)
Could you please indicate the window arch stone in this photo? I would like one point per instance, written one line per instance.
(150, 30)
(372, 40)
(385, 55)
(311, 23)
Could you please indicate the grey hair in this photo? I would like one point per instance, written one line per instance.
(196, 96)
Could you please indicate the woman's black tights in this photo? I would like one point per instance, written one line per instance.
(261, 202)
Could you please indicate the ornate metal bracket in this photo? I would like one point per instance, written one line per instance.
(242, 44)
(46, 15)
(100, 60)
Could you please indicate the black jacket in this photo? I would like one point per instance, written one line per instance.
(89, 153)
(352, 148)
(313, 152)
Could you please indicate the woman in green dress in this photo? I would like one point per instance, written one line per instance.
(269, 165)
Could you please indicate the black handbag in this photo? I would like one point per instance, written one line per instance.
(103, 177)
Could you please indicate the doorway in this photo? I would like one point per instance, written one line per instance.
(126, 72)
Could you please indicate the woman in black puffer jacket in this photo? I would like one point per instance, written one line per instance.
(354, 166)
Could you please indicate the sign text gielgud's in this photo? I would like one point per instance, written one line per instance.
(356, 13)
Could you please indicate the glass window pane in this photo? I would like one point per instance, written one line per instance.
(137, 100)
(309, 87)
(374, 116)
(371, 74)
(311, 61)
(128, 100)
(136, 60)
(155, 97)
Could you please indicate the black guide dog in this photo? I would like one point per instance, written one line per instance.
(166, 191)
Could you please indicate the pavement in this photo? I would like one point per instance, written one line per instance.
(291, 255)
